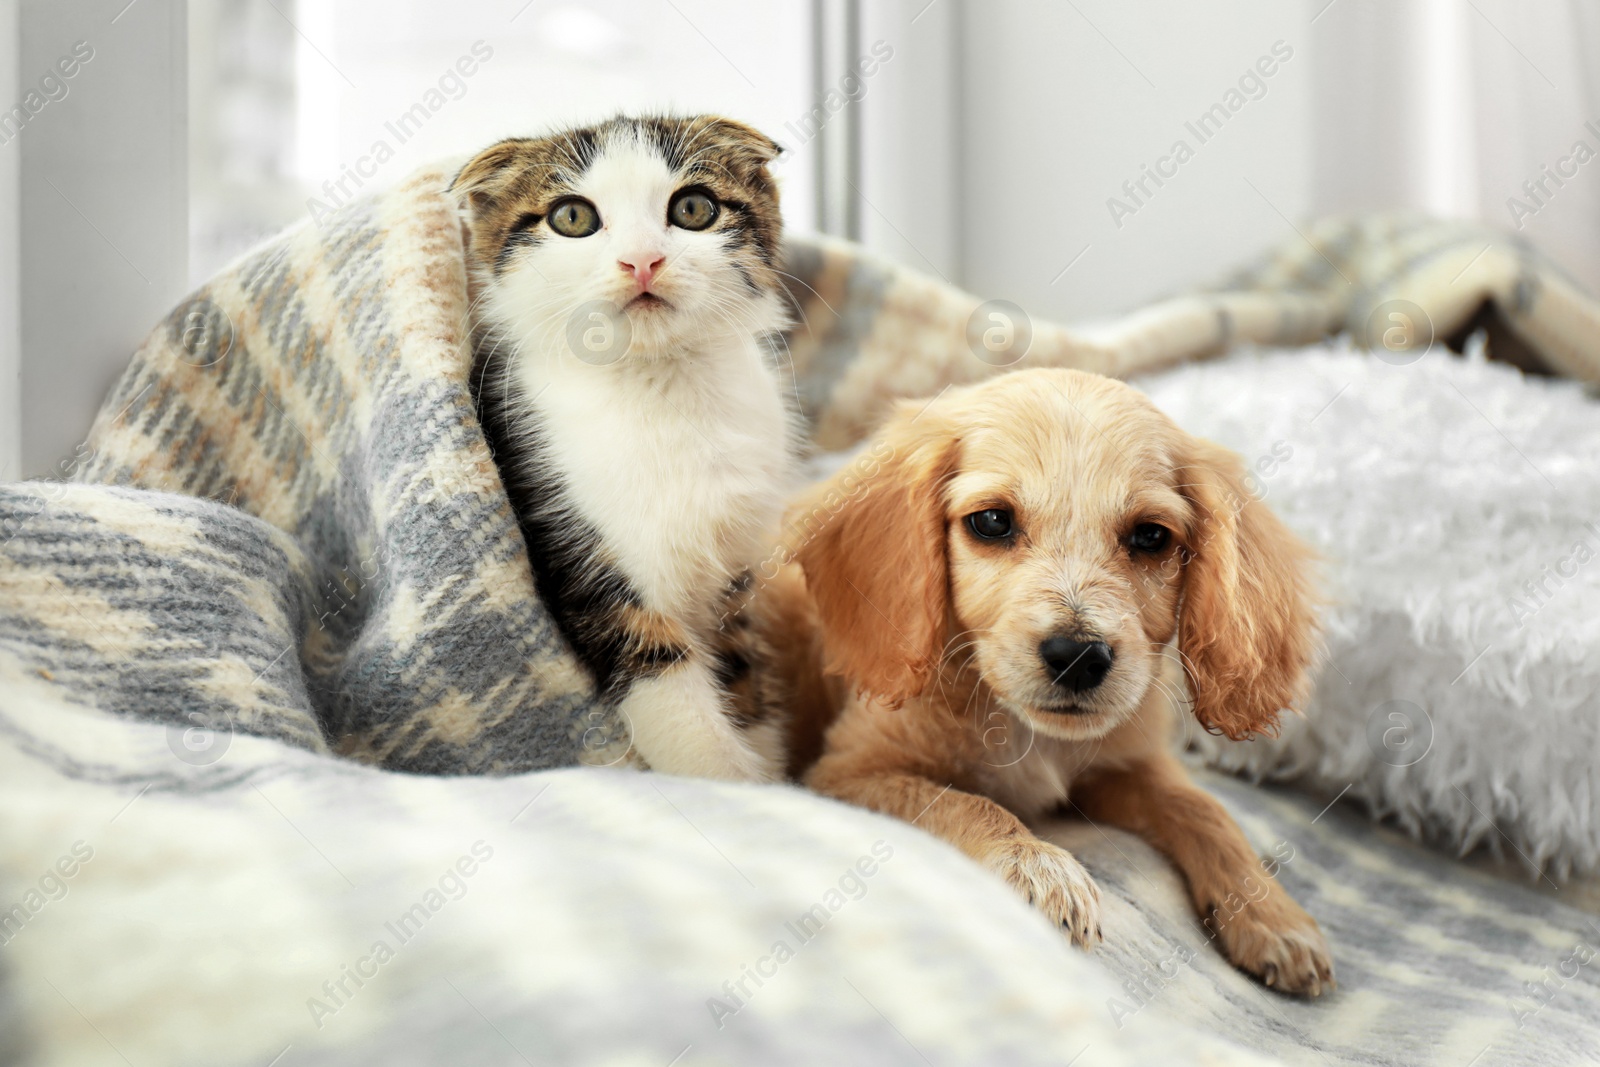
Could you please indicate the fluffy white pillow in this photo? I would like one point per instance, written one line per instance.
(1458, 505)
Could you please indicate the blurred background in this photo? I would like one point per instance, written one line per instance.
(1078, 157)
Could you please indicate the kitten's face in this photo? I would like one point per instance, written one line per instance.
(672, 222)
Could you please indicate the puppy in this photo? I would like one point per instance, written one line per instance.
(1041, 574)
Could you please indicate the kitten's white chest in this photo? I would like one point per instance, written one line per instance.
(679, 465)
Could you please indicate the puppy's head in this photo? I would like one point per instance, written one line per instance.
(1053, 531)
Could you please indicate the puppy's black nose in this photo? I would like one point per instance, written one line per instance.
(1076, 665)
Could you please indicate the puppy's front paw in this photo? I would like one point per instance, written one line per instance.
(1275, 940)
(1052, 880)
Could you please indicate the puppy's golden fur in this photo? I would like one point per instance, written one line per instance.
(957, 724)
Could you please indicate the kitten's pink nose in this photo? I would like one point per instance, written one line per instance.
(643, 266)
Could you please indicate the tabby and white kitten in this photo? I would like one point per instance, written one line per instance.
(626, 293)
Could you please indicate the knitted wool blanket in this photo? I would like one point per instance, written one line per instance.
(285, 520)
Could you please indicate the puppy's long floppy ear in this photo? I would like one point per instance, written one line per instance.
(871, 541)
(1247, 629)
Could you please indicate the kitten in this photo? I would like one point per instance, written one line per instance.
(626, 297)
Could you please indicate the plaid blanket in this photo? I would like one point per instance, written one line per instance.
(280, 908)
(285, 521)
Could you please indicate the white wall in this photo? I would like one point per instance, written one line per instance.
(104, 233)
(1450, 108)
(1001, 129)
(911, 121)
(1066, 102)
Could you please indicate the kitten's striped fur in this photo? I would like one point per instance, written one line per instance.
(648, 480)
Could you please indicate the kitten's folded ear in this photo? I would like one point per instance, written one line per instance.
(748, 141)
(485, 174)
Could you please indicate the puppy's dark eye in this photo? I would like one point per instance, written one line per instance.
(574, 217)
(693, 209)
(1149, 537)
(990, 524)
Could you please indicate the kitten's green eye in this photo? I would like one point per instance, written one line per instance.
(574, 217)
(693, 209)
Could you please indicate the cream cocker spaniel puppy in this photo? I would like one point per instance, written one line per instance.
(1040, 575)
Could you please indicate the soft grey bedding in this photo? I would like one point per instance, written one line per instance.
(1439, 964)
(233, 912)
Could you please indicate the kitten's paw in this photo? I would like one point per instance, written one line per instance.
(726, 758)
(677, 722)
(1275, 940)
(1052, 880)
(744, 764)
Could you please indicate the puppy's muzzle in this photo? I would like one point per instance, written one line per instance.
(1076, 666)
